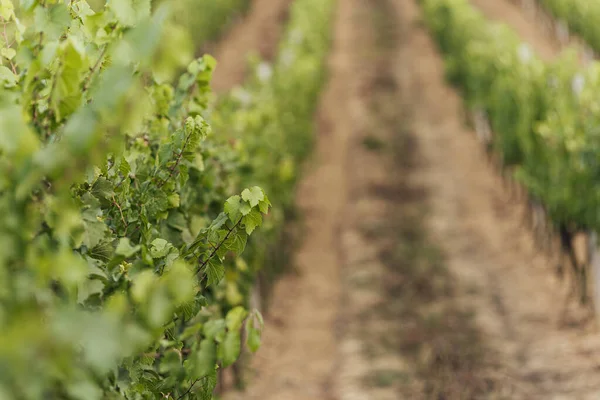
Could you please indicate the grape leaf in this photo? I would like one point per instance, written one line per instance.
(253, 195)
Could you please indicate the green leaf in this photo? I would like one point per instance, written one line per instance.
(218, 222)
(235, 318)
(142, 286)
(159, 307)
(252, 221)
(181, 282)
(125, 248)
(95, 231)
(232, 208)
(157, 203)
(170, 362)
(254, 332)
(208, 386)
(253, 339)
(174, 200)
(8, 53)
(206, 358)
(214, 329)
(230, 348)
(245, 208)
(7, 77)
(264, 205)
(27, 4)
(66, 95)
(124, 167)
(103, 189)
(176, 220)
(52, 21)
(159, 248)
(214, 271)
(214, 237)
(253, 195)
(232, 294)
(6, 9)
(191, 331)
(84, 390)
(130, 12)
(236, 241)
(259, 317)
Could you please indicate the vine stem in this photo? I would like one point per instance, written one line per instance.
(88, 80)
(189, 389)
(171, 172)
(120, 211)
(174, 166)
(212, 254)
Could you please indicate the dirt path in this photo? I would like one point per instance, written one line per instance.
(258, 32)
(404, 334)
(416, 277)
(299, 354)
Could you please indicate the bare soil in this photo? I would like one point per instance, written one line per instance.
(257, 33)
(416, 277)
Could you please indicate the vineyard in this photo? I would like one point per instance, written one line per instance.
(299, 199)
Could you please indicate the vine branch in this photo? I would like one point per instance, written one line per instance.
(212, 254)
(174, 166)
(120, 211)
(189, 389)
(88, 79)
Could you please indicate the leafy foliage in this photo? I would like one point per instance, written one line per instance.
(580, 15)
(121, 270)
(544, 115)
(115, 232)
(269, 123)
(204, 19)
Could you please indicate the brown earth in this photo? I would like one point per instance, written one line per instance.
(258, 32)
(416, 277)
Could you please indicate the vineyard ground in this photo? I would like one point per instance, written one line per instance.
(416, 277)
(258, 31)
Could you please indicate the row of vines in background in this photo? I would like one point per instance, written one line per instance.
(581, 16)
(206, 19)
(270, 121)
(544, 115)
(269, 124)
(125, 258)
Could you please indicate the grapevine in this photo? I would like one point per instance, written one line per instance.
(121, 231)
